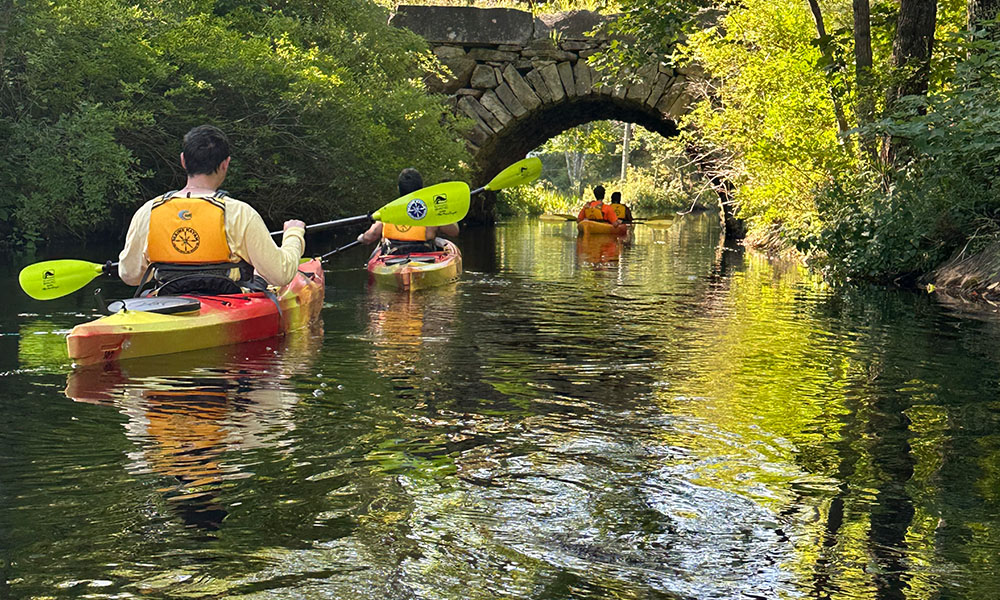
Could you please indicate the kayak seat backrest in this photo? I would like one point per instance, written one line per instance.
(166, 305)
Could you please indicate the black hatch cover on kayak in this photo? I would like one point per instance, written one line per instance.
(166, 305)
(402, 259)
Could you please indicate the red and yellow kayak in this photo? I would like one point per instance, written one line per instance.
(204, 321)
(588, 227)
(418, 270)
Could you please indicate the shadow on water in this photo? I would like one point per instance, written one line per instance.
(660, 416)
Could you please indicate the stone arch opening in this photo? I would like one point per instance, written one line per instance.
(517, 140)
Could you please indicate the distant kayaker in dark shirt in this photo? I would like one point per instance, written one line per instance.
(623, 212)
(404, 238)
(597, 210)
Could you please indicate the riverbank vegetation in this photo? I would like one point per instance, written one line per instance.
(861, 133)
(322, 102)
(660, 177)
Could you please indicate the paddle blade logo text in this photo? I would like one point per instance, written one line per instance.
(416, 209)
(49, 280)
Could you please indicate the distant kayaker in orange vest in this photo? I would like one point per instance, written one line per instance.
(597, 210)
(623, 212)
(199, 239)
(405, 239)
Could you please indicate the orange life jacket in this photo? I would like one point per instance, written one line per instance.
(187, 230)
(592, 211)
(619, 210)
(404, 233)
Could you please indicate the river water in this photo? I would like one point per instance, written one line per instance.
(662, 418)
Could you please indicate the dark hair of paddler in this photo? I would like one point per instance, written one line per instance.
(599, 192)
(204, 149)
(409, 181)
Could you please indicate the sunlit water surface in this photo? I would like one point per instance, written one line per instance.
(661, 418)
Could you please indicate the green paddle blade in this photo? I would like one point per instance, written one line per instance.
(56, 278)
(433, 206)
(519, 173)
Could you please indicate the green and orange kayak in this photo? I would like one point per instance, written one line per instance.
(168, 324)
(417, 270)
(588, 227)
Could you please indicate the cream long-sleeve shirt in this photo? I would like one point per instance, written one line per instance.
(248, 239)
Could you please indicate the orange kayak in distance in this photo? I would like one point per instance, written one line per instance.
(588, 227)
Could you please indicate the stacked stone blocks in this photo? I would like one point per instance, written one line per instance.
(506, 64)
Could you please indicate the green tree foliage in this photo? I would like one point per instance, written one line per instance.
(770, 112)
(766, 120)
(322, 102)
(946, 195)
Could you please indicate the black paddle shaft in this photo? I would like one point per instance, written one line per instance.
(335, 223)
(344, 247)
(108, 266)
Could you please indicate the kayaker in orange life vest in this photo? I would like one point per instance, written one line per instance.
(597, 210)
(623, 212)
(403, 239)
(200, 239)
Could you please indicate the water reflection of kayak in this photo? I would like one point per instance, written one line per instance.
(271, 361)
(184, 323)
(417, 270)
(598, 250)
(193, 417)
(588, 227)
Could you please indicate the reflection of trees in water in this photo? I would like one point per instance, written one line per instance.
(853, 412)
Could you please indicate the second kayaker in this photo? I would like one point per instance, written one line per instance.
(623, 212)
(597, 210)
(199, 239)
(406, 239)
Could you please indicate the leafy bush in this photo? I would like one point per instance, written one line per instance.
(322, 102)
(534, 200)
(648, 193)
(944, 197)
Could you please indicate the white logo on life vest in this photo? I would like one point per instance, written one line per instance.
(416, 209)
(184, 215)
(185, 240)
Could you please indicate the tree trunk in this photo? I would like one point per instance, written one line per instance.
(625, 150)
(6, 8)
(982, 10)
(911, 58)
(824, 47)
(863, 72)
(911, 50)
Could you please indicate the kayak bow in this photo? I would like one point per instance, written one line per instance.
(418, 270)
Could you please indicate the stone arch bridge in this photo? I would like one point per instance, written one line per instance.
(524, 79)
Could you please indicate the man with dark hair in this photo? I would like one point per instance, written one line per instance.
(597, 210)
(623, 212)
(404, 239)
(198, 239)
